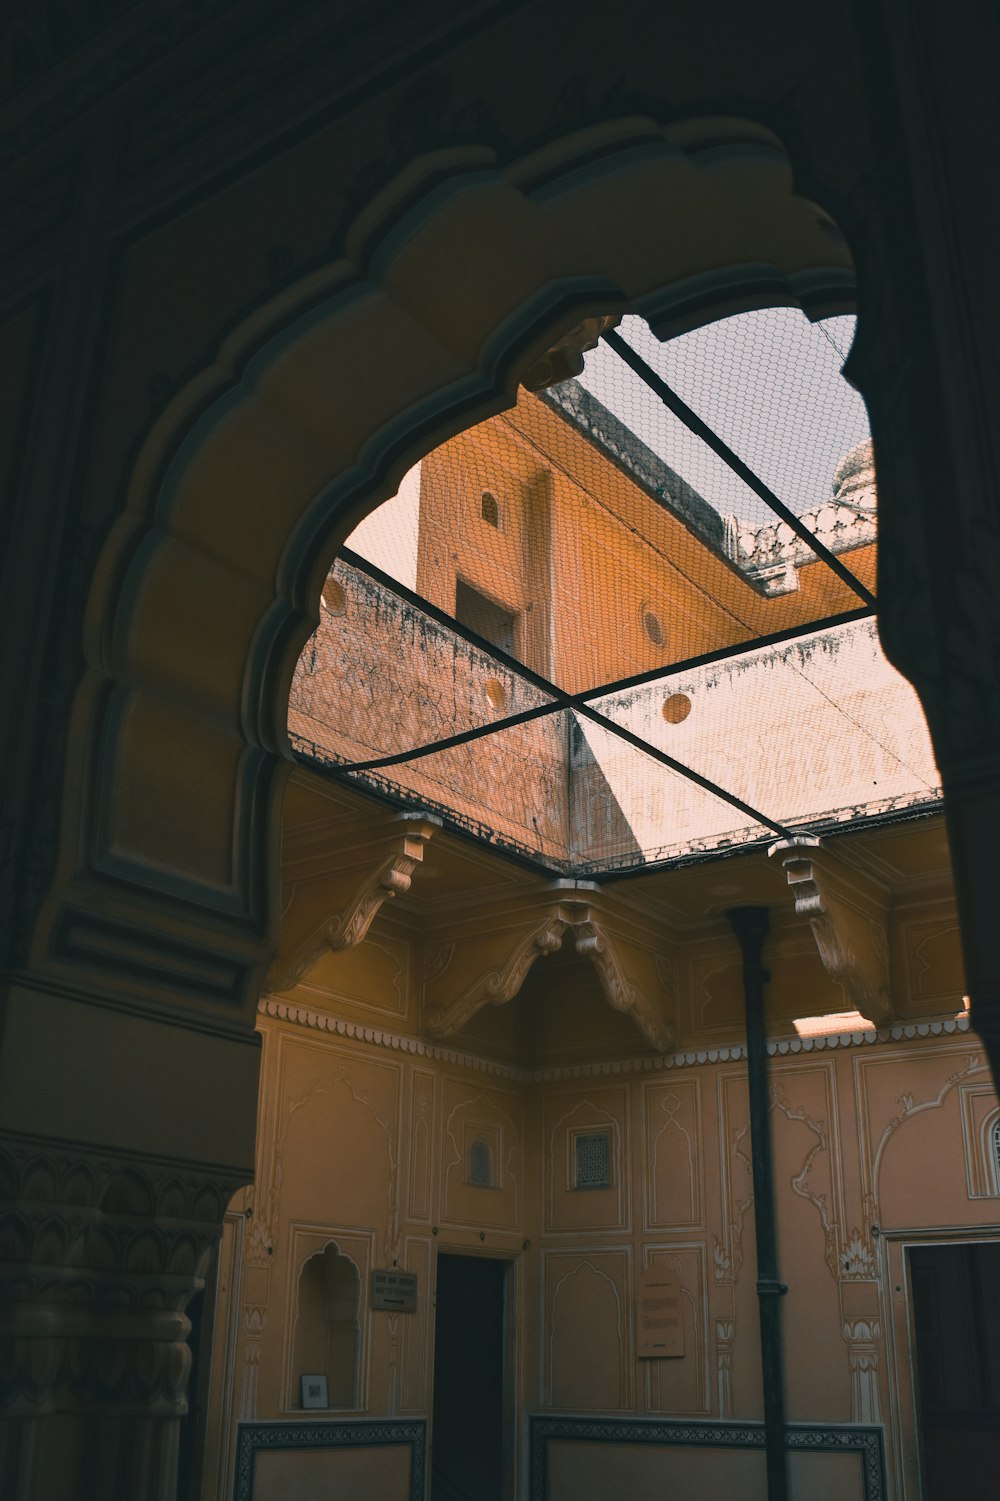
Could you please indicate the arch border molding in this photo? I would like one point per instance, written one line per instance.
(449, 286)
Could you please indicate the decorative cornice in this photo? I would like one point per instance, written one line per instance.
(323, 1021)
(645, 467)
(853, 944)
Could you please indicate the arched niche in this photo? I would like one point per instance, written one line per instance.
(452, 282)
(327, 1338)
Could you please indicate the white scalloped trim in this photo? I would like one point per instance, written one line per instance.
(321, 1021)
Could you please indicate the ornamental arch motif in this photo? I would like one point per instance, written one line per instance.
(454, 281)
(327, 1331)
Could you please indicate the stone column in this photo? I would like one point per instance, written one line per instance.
(100, 1253)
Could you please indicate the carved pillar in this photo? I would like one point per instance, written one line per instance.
(863, 1338)
(258, 1250)
(725, 1334)
(861, 1315)
(100, 1254)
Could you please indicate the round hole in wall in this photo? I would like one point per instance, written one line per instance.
(334, 597)
(496, 693)
(653, 626)
(676, 708)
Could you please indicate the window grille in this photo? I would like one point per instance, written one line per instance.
(480, 1164)
(593, 1160)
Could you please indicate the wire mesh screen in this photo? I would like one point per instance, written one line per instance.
(814, 732)
(769, 383)
(580, 632)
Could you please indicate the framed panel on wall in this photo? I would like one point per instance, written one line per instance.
(577, 1458)
(367, 1459)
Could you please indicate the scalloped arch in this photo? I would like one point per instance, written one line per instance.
(450, 283)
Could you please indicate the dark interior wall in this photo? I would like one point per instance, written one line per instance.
(167, 183)
(174, 171)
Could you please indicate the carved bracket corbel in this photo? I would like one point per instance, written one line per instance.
(617, 962)
(632, 979)
(853, 944)
(451, 998)
(335, 912)
(565, 358)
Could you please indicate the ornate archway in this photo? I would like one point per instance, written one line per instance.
(453, 281)
(451, 284)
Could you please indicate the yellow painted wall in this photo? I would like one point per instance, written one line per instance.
(365, 1128)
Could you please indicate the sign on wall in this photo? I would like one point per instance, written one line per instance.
(394, 1291)
(659, 1316)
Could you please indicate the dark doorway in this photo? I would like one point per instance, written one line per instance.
(468, 1458)
(956, 1313)
(487, 619)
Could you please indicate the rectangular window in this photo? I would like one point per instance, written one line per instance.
(480, 1164)
(592, 1159)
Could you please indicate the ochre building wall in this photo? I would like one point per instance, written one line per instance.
(364, 1136)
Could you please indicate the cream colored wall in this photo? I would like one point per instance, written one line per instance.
(364, 1135)
(370, 1152)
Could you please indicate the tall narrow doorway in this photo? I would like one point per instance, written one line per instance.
(468, 1431)
(956, 1314)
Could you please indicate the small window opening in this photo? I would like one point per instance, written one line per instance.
(653, 627)
(676, 708)
(593, 1159)
(480, 1164)
(490, 509)
(491, 621)
(995, 1145)
(334, 597)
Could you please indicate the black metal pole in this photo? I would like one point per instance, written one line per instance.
(750, 925)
